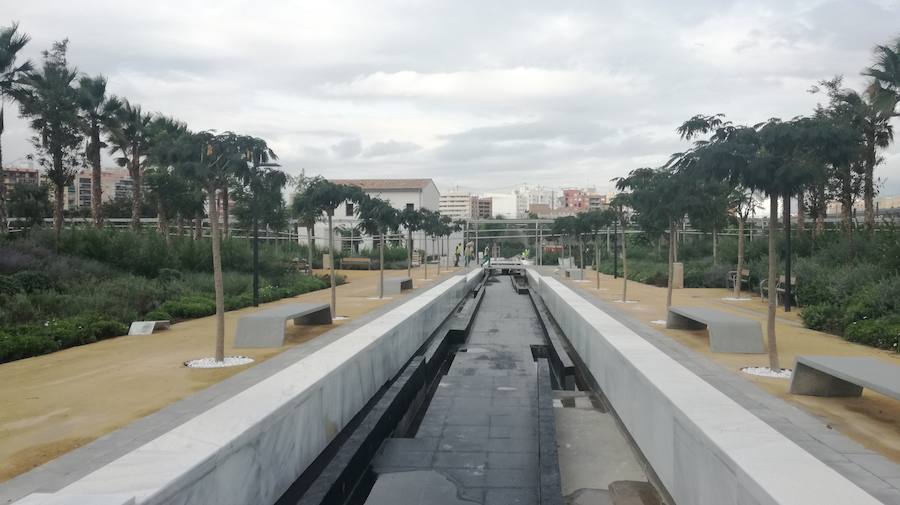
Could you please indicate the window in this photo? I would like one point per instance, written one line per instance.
(349, 209)
(410, 206)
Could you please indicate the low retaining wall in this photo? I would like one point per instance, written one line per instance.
(705, 448)
(251, 447)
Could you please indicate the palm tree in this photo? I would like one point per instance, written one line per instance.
(307, 214)
(410, 219)
(258, 186)
(869, 114)
(743, 204)
(50, 102)
(619, 207)
(377, 218)
(429, 221)
(131, 140)
(166, 183)
(219, 156)
(11, 76)
(886, 69)
(326, 196)
(99, 112)
(660, 197)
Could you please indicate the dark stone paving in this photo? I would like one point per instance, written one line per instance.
(481, 428)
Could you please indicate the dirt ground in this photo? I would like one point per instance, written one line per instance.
(873, 419)
(52, 404)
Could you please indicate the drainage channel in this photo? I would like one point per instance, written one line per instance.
(491, 410)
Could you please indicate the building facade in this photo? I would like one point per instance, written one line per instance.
(399, 193)
(485, 208)
(20, 175)
(459, 205)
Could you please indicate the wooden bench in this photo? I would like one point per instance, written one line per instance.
(356, 262)
(395, 285)
(727, 332)
(147, 327)
(265, 328)
(732, 278)
(844, 376)
(779, 289)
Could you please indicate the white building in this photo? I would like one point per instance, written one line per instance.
(539, 195)
(400, 193)
(512, 205)
(459, 205)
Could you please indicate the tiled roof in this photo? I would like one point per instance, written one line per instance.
(395, 184)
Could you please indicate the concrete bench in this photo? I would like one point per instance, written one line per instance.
(394, 285)
(266, 327)
(727, 332)
(147, 327)
(576, 274)
(366, 262)
(844, 376)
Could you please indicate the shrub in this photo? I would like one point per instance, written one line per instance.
(883, 333)
(9, 285)
(31, 281)
(15, 346)
(823, 317)
(157, 315)
(188, 307)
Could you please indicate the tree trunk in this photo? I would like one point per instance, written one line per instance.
(162, 221)
(773, 262)
(4, 224)
(255, 231)
(433, 248)
(669, 284)
(787, 253)
(869, 183)
(597, 260)
(179, 225)
(96, 175)
(409, 253)
(846, 200)
(381, 268)
(801, 212)
(715, 240)
(819, 226)
(136, 192)
(59, 192)
(675, 240)
(331, 252)
(225, 210)
(740, 259)
(217, 273)
(581, 255)
(198, 226)
(425, 256)
(624, 268)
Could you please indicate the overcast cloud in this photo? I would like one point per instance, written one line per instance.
(481, 95)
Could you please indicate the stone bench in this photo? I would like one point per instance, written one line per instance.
(265, 328)
(576, 274)
(395, 285)
(844, 376)
(361, 262)
(147, 327)
(727, 332)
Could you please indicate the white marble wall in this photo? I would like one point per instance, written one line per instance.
(706, 449)
(250, 448)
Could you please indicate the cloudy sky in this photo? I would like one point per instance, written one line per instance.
(483, 95)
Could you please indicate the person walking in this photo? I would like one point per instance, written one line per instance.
(456, 254)
(470, 251)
